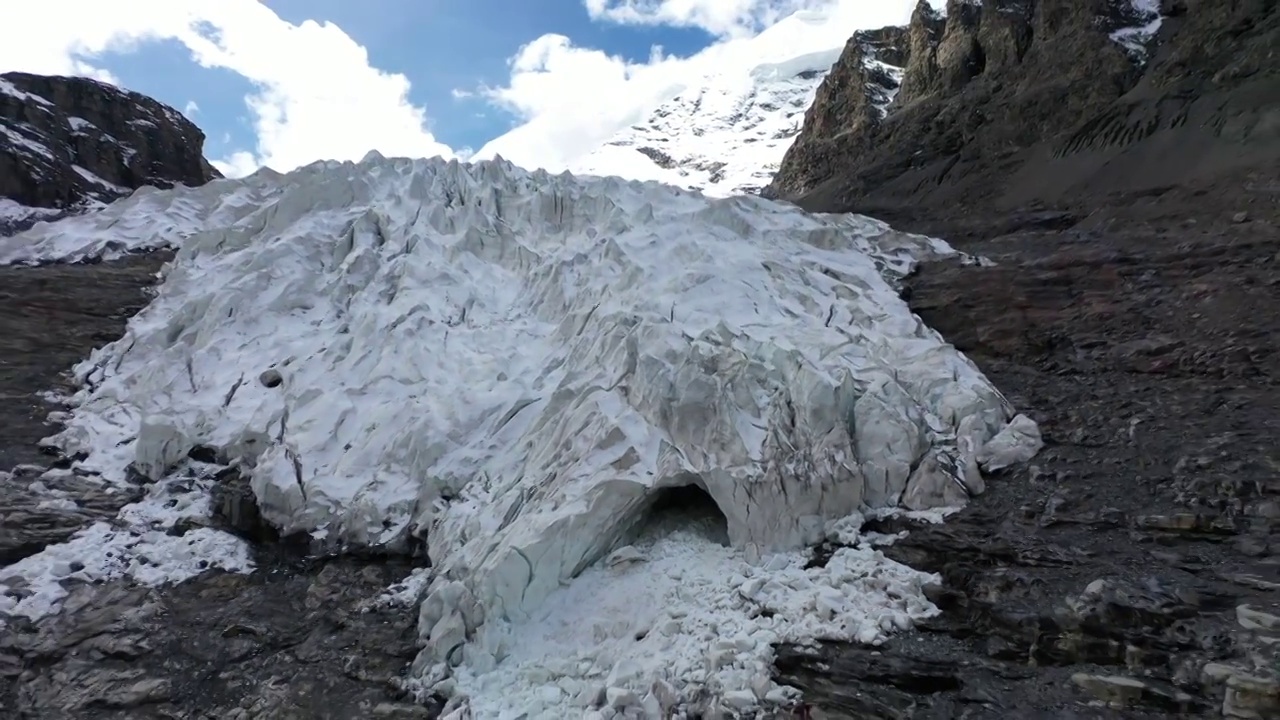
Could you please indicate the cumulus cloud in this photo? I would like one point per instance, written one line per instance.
(316, 96)
(570, 99)
(718, 17)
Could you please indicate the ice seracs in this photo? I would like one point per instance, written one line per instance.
(518, 370)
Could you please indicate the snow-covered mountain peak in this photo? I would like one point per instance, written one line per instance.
(723, 137)
(727, 131)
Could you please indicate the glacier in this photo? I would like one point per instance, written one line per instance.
(516, 370)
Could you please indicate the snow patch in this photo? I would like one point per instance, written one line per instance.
(13, 213)
(80, 125)
(8, 88)
(24, 143)
(1136, 38)
(99, 181)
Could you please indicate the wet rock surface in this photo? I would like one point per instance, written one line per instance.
(51, 318)
(297, 639)
(1118, 573)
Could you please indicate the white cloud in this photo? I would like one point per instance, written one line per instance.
(718, 17)
(190, 109)
(571, 99)
(316, 95)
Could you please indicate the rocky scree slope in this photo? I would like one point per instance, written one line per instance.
(1026, 103)
(70, 142)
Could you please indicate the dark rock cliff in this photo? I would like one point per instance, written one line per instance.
(1028, 103)
(850, 104)
(68, 140)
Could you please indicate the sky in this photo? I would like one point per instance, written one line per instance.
(286, 82)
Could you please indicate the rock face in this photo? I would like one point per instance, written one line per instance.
(1017, 103)
(66, 141)
(862, 86)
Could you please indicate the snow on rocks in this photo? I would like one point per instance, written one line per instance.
(137, 545)
(523, 369)
(16, 216)
(1142, 20)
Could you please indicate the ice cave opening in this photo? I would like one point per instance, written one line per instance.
(685, 507)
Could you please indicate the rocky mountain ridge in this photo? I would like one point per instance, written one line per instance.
(70, 142)
(1024, 103)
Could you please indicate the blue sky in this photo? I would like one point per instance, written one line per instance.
(469, 46)
(441, 45)
(286, 82)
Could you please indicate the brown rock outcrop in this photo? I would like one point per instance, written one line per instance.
(68, 140)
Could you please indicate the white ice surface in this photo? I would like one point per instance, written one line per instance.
(146, 220)
(512, 365)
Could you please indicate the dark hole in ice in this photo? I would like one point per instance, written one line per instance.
(687, 508)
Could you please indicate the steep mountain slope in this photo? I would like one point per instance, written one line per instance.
(727, 131)
(68, 142)
(1010, 103)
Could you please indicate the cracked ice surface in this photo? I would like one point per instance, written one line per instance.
(510, 364)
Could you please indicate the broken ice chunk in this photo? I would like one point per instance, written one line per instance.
(624, 557)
